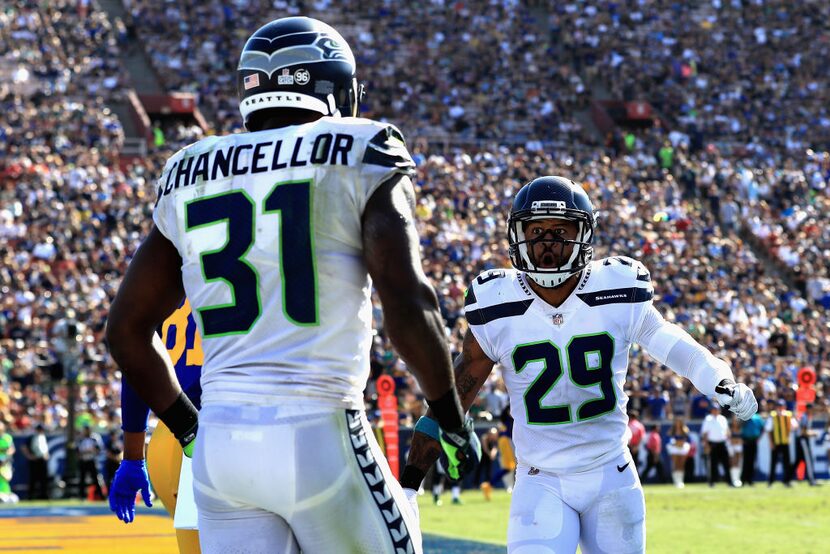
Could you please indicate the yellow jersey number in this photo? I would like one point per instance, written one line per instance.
(182, 324)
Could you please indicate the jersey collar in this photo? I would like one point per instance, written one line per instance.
(570, 303)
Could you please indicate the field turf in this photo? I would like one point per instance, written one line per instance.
(694, 520)
(697, 519)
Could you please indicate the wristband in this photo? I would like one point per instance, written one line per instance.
(412, 477)
(447, 411)
(182, 419)
(428, 427)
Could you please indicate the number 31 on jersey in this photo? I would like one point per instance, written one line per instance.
(290, 201)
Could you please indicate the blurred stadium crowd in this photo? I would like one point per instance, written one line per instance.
(728, 205)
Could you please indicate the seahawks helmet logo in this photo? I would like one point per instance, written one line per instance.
(331, 48)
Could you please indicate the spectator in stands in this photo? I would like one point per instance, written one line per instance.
(89, 447)
(654, 451)
(658, 400)
(489, 454)
(37, 453)
(700, 406)
(115, 451)
(803, 448)
(751, 431)
(638, 432)
(6, 461)
(496, 398)
(715, 433)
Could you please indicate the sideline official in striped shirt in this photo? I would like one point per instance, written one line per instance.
(780, 426)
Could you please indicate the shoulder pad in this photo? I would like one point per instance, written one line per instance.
(618, 280)
(489, 298)
(387, 148)
(628, 269)
(483, 285)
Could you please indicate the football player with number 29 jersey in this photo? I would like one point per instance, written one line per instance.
(276, 237)
(561, 325)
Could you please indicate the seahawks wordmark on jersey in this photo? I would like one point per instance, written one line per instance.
(564, 367)
(268, 225)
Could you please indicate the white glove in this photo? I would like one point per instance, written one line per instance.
(738, 397)
(412, 497)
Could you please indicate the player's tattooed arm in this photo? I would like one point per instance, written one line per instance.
(422, 453)
(472, 367)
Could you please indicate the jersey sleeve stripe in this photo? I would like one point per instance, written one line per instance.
(631, 295)
(470, 296)
(397, 158)
(388, 149)
(492, 313)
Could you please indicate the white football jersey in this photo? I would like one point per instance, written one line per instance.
(564, 367)
(268, 225)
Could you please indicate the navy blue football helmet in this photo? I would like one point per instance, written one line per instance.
(551, 198)
(298, 62)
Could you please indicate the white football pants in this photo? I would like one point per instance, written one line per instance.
(284, 479)
(603, 510)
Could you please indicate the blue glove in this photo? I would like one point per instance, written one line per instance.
(129, 479)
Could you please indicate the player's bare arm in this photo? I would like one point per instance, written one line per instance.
(471, 367)
(151, 290)
(410, 306)
(134, 445)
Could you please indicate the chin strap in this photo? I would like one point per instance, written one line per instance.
(550, 280)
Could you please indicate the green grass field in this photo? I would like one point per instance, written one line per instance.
(696, 519)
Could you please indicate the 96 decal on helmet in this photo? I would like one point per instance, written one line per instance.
(551, 198)
(298, 62)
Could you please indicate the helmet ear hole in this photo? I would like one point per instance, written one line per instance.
(348, 99)
(344, 100)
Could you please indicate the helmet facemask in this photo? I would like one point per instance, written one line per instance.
(521, 251)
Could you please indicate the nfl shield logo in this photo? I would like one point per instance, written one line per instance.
(285, 78)
(558, 319)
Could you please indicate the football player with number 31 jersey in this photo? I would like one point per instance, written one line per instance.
(276, 236)
(562, 325)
